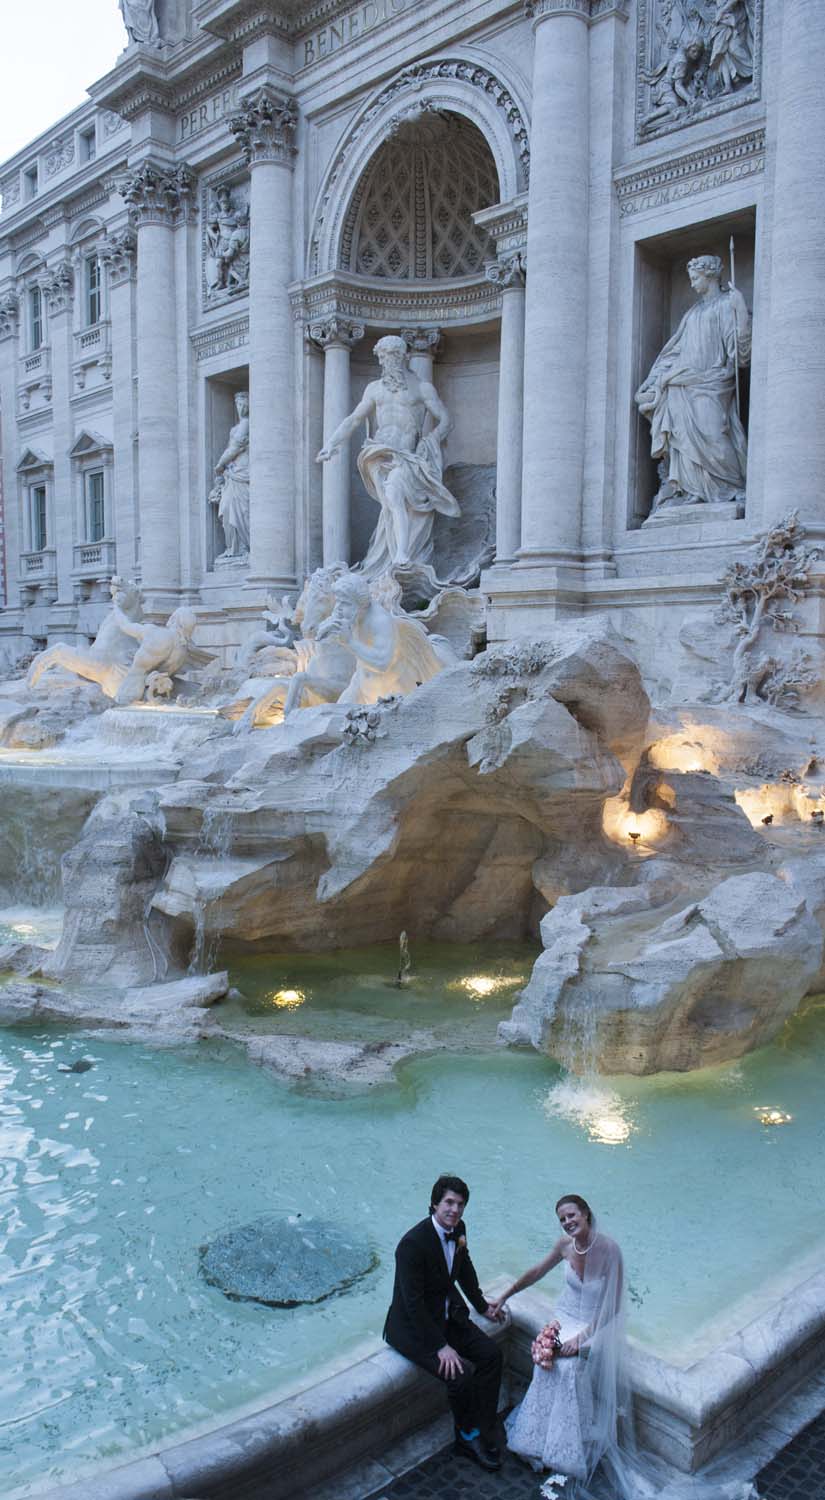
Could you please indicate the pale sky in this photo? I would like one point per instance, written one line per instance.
(50, 51)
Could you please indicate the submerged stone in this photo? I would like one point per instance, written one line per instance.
(285, 1262)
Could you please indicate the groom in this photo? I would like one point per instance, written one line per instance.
(428, 1321)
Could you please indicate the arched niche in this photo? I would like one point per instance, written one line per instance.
(451, 86)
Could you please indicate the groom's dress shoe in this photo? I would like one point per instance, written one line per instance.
(473, 1448)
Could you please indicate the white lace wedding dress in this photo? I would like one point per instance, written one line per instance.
(547, 1427)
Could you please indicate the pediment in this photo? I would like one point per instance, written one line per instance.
(88, 442)
(31, 459)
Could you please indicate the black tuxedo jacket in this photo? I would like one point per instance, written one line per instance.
(415, 1323)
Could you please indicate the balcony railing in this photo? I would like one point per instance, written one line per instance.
(38, 567)
(36, 367)
(94, 559)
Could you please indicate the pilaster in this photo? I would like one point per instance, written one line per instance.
(118, 254)
(9, 323)
(57, 286)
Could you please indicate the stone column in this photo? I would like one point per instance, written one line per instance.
(795, 337)
(265, 128)
(508, 272)
(556, 299)
(158, 196)
(336, 336)
(57, 287)
(11, 541)
(118, 254)
(423, 346)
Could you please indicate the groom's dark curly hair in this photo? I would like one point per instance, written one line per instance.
(446, 1183)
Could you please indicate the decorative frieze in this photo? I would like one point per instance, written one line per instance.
(158, 193)
(394, 305)
(220, 337)
(702, 171)
(59, 156)
(695, 59)
(57, 286)
(118, 253)
(335, 330)
(111, 123)
(9, 315)
(265, 126)
(10, 192)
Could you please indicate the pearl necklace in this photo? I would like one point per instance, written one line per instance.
(586, 1248)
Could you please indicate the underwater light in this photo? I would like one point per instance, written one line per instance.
(767, 1115)
(610, 1130)
(288, 999)
(480, 985)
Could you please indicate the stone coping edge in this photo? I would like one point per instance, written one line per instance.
(280, 1451)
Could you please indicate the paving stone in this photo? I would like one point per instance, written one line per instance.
(797, 1473)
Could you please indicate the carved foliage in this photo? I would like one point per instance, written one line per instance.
(57, 286)
(335, 330)
(696, 58)
(118, 252)
(9, 314)
(265, 126)
(758, 593)
(158, 194)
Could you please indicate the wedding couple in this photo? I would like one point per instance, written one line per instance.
(576, 1418)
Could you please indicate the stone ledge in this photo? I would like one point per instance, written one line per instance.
(379, 1416)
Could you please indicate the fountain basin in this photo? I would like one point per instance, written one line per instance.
(121, 1172)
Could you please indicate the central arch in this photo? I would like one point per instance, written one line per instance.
(452, 86)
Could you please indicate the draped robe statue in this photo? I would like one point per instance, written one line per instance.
(399, 464)
(141, 22)
(689, 397)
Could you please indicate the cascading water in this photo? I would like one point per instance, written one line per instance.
(404, 962)
(214, 844)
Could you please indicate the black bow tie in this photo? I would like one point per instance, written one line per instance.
(451, 1234)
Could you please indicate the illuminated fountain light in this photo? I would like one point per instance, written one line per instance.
(693, 749)
(481, 986)
(767, 1114)
(642, 831)
(781, 802)
(601, 1113)
(288, 999)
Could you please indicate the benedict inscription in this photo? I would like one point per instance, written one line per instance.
(349, 27)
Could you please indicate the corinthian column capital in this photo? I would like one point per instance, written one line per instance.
(422, 340)
(118, 252)
(330, 331)
(265, 125)
(158, 193)
(57, 286)
(508, 271)
(536, 10)
(9, 314)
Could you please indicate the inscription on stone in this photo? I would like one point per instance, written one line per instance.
(205, 114)
(349, 27)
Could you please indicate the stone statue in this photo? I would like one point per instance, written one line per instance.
(230, 491)
(227, 245)
(163, 652)
(400, 465)
(308, 671)
(141, 22)
(690, 395)
(393, 653)
(670, 83)
(731, 46)
(106, 661)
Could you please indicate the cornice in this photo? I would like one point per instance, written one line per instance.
(681, 176)
(394, 304)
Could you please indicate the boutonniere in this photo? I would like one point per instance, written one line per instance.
(461, 1242)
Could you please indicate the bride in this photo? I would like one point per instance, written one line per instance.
(577, 1414)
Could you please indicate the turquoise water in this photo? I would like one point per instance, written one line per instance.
(112, 1178)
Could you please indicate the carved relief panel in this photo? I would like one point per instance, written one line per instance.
(225, 244)
(696, 59)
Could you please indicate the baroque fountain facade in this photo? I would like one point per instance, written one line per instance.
(413, 472)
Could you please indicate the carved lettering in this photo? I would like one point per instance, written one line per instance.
(216, 107)
(350, 27)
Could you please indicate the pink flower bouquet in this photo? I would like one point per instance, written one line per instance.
(546, 1346)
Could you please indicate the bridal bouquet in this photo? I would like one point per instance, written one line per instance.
(546, 1346)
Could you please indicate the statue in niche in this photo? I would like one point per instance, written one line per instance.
(690, 395)
(107, 660)
(399, 462)
(141, 22)
(230, 492)
(163, 652)
(227, 246)
(393, 654)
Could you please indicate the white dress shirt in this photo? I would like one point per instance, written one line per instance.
(448, 1246)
